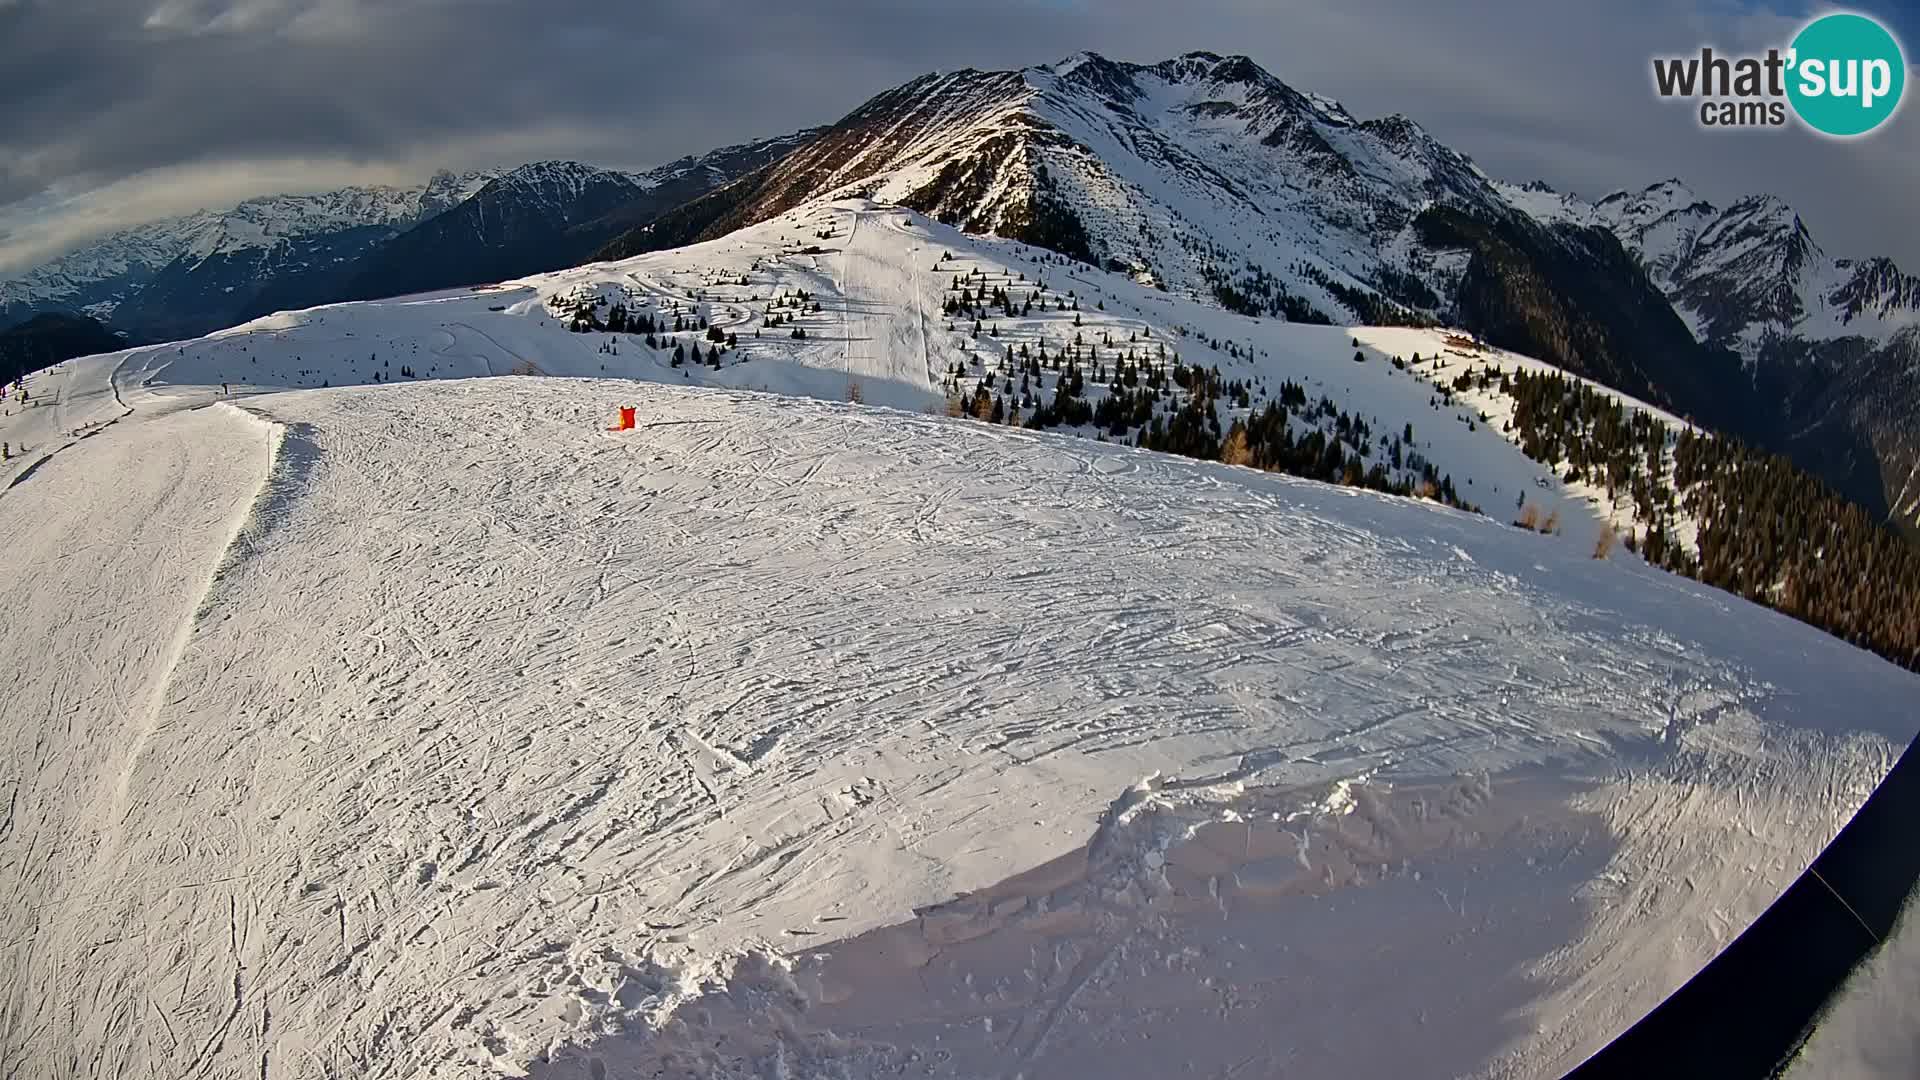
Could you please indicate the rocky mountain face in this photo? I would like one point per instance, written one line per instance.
(1207, 175)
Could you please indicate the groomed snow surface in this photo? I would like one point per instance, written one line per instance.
(432, 730)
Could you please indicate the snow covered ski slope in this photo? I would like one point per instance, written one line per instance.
(432, 730)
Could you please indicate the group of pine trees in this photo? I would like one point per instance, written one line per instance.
(1257, 293)
(1766, 529)
(1164, 404)
(1345, 454)
(658, 333)
(1773, 533)
(1173, 407)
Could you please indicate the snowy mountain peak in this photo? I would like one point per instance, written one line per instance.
(556, 181)
(1671, 192)
(446, 189)
(1070, 64)
(1876, 289)
(1193, 172)
(1743, 274)
(1205, 80)
(1831, 344)
(1767, 220)
(1645, 208)
(555, 171)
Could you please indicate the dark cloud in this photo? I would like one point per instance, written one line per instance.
(153, 105)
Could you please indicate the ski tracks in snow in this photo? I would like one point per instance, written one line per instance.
(494, 728)
(118, 539)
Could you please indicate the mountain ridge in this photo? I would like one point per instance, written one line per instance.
(104, 275)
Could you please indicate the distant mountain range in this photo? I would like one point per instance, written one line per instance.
(538, 217)
(1203, 175)
(189, 275)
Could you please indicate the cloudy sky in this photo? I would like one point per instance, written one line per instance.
(116, 111)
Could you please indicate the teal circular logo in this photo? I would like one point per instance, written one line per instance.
(1847, 74)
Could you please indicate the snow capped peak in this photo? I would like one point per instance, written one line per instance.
(1091, 72)
(1654, 200)
(1206, 79)
(1767, 208)
(1235, 72)
(1744, 274)
(1070, 64)
(1395, 129)
(557, 179)
(1212, 67)
(446, 189)
(552, 169)
(1182, 171)
(1538, 200)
